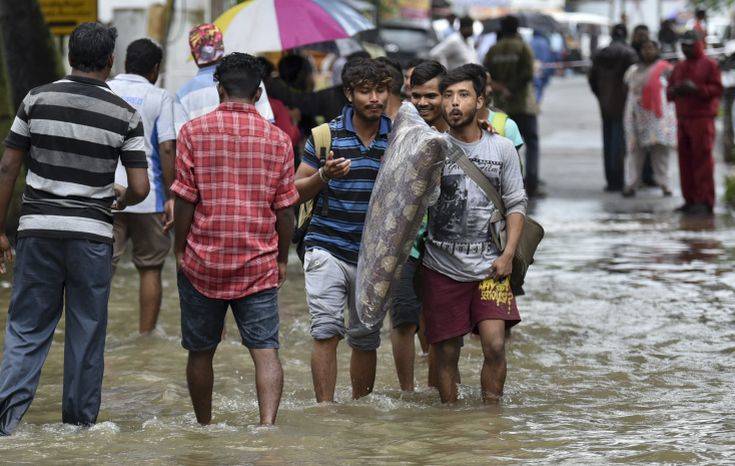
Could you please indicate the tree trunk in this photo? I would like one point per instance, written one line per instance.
(30, 55)
(28, 58)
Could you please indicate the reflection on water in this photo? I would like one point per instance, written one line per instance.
(626, 353)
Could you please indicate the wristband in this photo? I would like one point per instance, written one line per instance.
(323, 175)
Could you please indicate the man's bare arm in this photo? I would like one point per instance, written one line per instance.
(10, 166)
(183, 217)
(284, 228)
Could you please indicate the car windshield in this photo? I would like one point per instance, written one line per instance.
(405, 39)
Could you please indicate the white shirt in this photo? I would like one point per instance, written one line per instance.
(199, 96)
(156, 109)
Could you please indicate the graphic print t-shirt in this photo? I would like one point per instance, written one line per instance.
(459, 243)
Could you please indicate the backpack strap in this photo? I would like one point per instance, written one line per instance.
(322, 136)
(498, 122)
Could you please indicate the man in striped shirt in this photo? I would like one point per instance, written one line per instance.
(359, 140)
(71, 133)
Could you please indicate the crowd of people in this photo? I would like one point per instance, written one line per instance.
(225, 161)
(650, 105)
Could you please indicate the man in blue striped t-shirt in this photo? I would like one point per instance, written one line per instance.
(359, 140)
(71, 133)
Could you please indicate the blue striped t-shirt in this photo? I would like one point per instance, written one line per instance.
(340, 231)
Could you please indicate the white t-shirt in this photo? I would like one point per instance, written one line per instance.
(156, 109)
(199, 96)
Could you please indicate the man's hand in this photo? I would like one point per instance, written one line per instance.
(168, 215)
(336, 168)
(6, 253)
(502, 267)
(119, 202)
(282, 266)
(179, 259)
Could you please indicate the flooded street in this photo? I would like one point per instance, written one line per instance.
(626, 353)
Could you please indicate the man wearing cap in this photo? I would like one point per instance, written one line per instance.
(695, 87)
(199, 95)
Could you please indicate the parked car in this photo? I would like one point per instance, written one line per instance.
(402, 41)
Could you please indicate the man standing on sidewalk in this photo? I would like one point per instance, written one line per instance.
(465, 277)
(359, 140)
(71, 134)
(147, 223)
(606, 80)
(695, 88)
(233, 220)
(510, 63)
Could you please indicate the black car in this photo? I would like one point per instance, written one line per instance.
(402, 42)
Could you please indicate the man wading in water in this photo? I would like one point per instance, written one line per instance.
(233, 221)
(71, 133)
(359, 139)
(465, 277)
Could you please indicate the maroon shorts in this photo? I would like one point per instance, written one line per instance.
(453, 308)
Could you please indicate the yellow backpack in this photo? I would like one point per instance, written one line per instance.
(322, 137)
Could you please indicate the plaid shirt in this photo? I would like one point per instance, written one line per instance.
(238, 169)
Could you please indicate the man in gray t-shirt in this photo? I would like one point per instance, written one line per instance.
(466, 286)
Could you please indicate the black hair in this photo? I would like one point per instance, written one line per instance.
(364, 71)
(295, 70)
(239, 74)
(641, 27)
(700, 13)
(509, 25)
(266, 65)
(413, 63)
(142, 56)
(396, 74)
(466, 21)
(469, 72)
(426, 71)
(91, 45)
(619, 32)
(358, 54)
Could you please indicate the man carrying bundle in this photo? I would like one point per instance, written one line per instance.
(465, 275)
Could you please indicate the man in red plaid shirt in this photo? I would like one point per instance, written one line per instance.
(233, 219)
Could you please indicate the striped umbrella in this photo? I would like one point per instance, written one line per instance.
(274, 25)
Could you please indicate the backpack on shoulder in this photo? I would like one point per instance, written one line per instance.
(322, 136)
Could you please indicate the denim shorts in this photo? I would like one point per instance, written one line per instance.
(203, 318)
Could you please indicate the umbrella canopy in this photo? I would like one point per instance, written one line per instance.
(273, 25)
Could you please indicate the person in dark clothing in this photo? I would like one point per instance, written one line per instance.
(606, 81)
(327, 103)
(695, 88)
(668, 38)
(510, 63)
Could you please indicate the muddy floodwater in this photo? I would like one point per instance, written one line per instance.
(626, 353)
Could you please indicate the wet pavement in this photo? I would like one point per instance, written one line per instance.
(626, 353)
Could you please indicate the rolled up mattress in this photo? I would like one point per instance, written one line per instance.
(409, 177)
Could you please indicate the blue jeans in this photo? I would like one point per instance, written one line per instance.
(202, 318)
(47, 273)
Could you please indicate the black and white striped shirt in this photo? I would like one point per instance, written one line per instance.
(74, 131)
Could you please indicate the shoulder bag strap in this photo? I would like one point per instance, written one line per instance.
(322, 136)
(482, 181)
